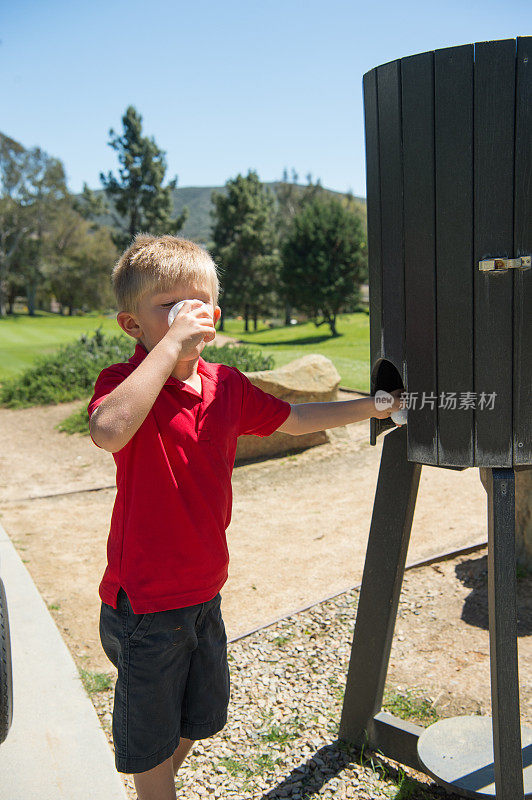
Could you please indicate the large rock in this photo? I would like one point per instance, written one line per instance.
(311, 379)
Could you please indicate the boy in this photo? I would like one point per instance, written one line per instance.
(171, 421)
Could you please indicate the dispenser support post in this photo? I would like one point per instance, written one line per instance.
(502, 593)
(389, 535)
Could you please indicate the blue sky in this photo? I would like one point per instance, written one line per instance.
(222, 86)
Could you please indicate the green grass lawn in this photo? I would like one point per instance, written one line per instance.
(349, 351)
(22, 338)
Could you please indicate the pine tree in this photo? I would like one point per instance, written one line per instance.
(245, 246)
(141, 201)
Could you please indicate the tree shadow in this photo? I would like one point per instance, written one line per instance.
(17, 315)
(244, 462)
(307, 779)
(473, 573)
(286, 342)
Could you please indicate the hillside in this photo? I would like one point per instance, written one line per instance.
(198, 201)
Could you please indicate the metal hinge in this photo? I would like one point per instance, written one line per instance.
(505, 263)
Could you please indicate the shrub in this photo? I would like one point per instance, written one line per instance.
(244, 358)
(67, 374)
(77, 422)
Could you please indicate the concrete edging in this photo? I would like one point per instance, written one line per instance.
(56, 748)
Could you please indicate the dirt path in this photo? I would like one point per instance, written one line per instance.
(298, 534)
(304, 515)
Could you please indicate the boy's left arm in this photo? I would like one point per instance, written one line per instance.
(311, 417)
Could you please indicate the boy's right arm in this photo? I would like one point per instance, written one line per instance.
(121, 413)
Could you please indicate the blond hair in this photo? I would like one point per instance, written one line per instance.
(159, 262)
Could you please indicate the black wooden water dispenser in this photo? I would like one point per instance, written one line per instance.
(449, 204)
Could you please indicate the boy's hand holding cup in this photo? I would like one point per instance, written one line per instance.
(192, 320)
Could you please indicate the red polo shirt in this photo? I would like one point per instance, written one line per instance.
(167, 546)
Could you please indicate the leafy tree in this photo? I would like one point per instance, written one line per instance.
(33, 197)
(80, 264)
(138, 194)
(46, 246)
(46, 199)
(245, 246)
(13, 222)
(324, 259)
(291, 197)
(10, 236)
(90, 205)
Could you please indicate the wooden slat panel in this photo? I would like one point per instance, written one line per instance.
(522, 412)
(417, 84)
(373, 208)
(373, 213)
(453, 90)
(391, 192)
(494, 79)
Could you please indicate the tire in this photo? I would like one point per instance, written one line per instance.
(6, 681)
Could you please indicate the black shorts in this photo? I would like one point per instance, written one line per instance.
(173, 678)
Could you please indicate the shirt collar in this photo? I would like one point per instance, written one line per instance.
(139, 355)
(204, 367)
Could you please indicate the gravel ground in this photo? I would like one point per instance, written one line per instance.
(287, 684)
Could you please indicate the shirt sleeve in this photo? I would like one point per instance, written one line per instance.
(262, 413)
(107, 380)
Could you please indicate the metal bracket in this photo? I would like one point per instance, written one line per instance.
(505, 263)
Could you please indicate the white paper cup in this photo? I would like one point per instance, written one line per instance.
(400, 417)
(174, 311)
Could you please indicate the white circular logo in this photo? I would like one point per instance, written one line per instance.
(383, 399)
